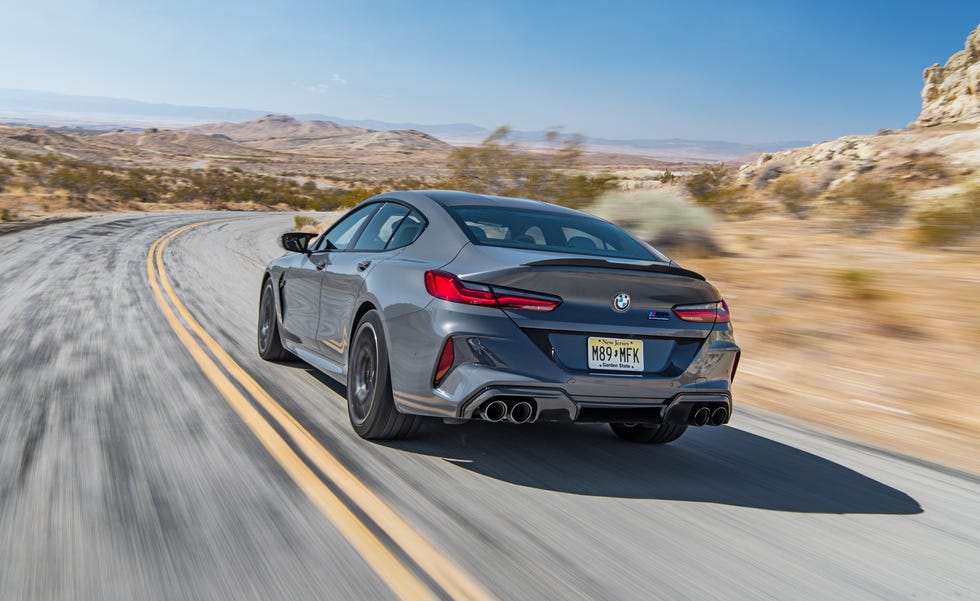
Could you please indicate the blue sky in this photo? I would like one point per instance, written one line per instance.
(741, 71)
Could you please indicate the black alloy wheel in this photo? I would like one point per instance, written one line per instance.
(369, 399)
(270, 344)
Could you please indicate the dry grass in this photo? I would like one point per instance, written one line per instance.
(948, 223)
(795, 196)
(857, 284)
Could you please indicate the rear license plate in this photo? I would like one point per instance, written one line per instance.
(615, 353)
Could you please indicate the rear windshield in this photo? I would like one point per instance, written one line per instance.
(552, 232)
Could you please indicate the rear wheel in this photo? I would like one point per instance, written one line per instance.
(369, 401)
(649, 433)
(270, 344)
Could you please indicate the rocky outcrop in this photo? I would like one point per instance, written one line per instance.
(951, 93)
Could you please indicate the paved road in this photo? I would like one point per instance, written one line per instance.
(126, 474)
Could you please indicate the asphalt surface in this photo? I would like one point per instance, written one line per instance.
(125, 474)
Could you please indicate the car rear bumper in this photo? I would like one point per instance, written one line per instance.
(496, 360)
(555, 405)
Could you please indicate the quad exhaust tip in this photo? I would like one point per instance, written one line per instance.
(521, 412)
(494, 411)
(701, 416)
(719, 416)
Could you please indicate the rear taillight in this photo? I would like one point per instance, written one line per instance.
(446, 359)
(705, 313)
(444, 285)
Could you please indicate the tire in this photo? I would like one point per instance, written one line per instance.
(269, 340)
(370, 405)
(649, 433)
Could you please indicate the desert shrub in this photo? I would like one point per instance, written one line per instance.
(713, 188)
(6, 174)
(661, 217)
(216, 187)
(696, 243)
(667, 177)
(857, 284)
(4, 214)
(946, 224)
(499, 166)
(923, 166)
(76, 178)
(326, 199)
(794, 195)
(135, 184)
(358, 194)
(731, 201)
(303, 221)
(871, 201)
(702, 184)
(404, 183)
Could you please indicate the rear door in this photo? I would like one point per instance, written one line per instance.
(301, 288)
(345, 273)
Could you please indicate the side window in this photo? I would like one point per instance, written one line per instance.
(342, 233)
(378, 231)
(408, 230)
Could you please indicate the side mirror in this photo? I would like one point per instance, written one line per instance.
(296, 242)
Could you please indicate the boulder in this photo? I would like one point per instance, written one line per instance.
(951, 92)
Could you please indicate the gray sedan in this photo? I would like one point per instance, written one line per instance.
(462, 306)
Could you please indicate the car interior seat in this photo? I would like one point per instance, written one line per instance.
(581, 242)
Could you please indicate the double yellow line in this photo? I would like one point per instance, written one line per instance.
(233, 382)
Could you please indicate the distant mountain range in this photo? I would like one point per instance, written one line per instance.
(28, 107)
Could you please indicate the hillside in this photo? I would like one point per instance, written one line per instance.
(923, 182)
(335, 154)
(327, 139)
(33, 108)
(277, 127)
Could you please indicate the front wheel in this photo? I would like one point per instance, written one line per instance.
(649, 433)
(270, 344)
(369, 401)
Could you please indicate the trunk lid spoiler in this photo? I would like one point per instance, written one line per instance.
(667, 268)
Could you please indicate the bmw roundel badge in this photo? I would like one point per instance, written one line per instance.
(621, 302)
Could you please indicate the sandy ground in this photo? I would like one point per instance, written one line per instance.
(866, 336)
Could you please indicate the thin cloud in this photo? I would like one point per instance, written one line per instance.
(318, 88)
(337, 78)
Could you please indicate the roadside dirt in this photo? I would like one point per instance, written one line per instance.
(863, 335)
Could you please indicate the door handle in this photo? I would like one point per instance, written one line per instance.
(363, 265)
